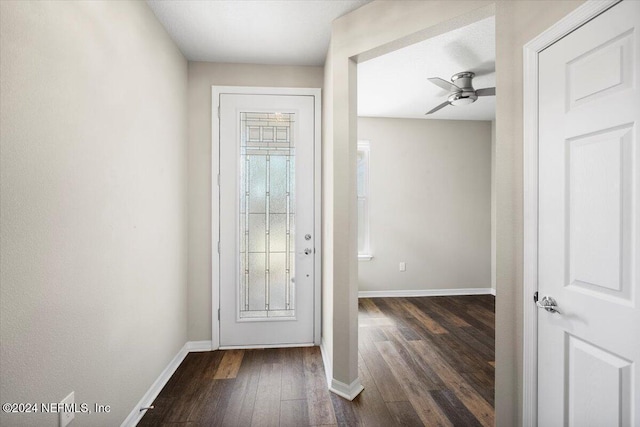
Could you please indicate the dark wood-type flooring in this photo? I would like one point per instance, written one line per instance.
(423, 361)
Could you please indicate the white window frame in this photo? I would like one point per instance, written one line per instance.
(365, 255)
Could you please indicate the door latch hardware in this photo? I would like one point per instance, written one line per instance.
(548, 303)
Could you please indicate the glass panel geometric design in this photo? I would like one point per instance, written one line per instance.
(266, 200)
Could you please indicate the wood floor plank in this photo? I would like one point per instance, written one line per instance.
(455, 410)
(408, 333)
(230, 364)
(479, 407)
(404, 414)
(385, 381)
(180, 382)
(462, 310)
(423, 361)
(318, 399)
(294, 413)
(273, 355)
(367, 408)
(373, 333)
(429, 305)
(293, 387)
(474, 348)
(371, 308)
(417, 366)
(417, 391)
(344, 411)
(211, 408)
(457, 354)
(241, 403)
(487, 341)
(266, 410)
(189, 393)
(377, 321)
(482, 383)
(482, 314)
(155, 416)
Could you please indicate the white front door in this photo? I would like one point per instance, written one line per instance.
(266, 220)
(589, 224)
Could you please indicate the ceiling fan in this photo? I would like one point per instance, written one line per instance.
(461, 90)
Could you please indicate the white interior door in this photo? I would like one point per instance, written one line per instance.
(589, 189)
(266, 220)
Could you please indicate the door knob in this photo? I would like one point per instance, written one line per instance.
(548, 303)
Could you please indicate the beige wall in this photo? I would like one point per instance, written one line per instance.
(517, 22)
(493, 205)
(327, 222)
(93, 210)
(203, 75)
(377, 28)
(430, 204)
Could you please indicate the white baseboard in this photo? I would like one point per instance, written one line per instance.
(493, 291)
(426, 292)
(136, 414)
(326, 360)
(194, 346)
(349, 391)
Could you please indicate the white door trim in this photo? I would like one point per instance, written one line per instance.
(215, 198)
(531, 50)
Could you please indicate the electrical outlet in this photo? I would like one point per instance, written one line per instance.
(403, 266)
(67, 408)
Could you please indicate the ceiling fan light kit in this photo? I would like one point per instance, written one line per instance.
(461, 90)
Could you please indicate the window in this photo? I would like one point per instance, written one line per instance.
(364, 251)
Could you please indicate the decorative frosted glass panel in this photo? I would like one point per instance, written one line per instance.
(278, 233)
(257, 183)
(277, 273)
(292, 187)
(266, 201)
(255, 298)
(278, 190)
(256, 235)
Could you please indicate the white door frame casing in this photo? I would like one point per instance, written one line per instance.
(531, 50)
(216, 91)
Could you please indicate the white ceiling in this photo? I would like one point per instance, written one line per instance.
(288, 32)
(396, 85)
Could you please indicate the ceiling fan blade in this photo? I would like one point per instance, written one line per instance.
(444, 104)
(487, 91)
(444, 84)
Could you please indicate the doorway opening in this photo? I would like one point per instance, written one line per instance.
(426, 236)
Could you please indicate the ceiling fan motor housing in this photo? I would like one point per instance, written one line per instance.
(467, 94)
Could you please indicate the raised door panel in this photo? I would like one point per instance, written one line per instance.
(598, 386)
